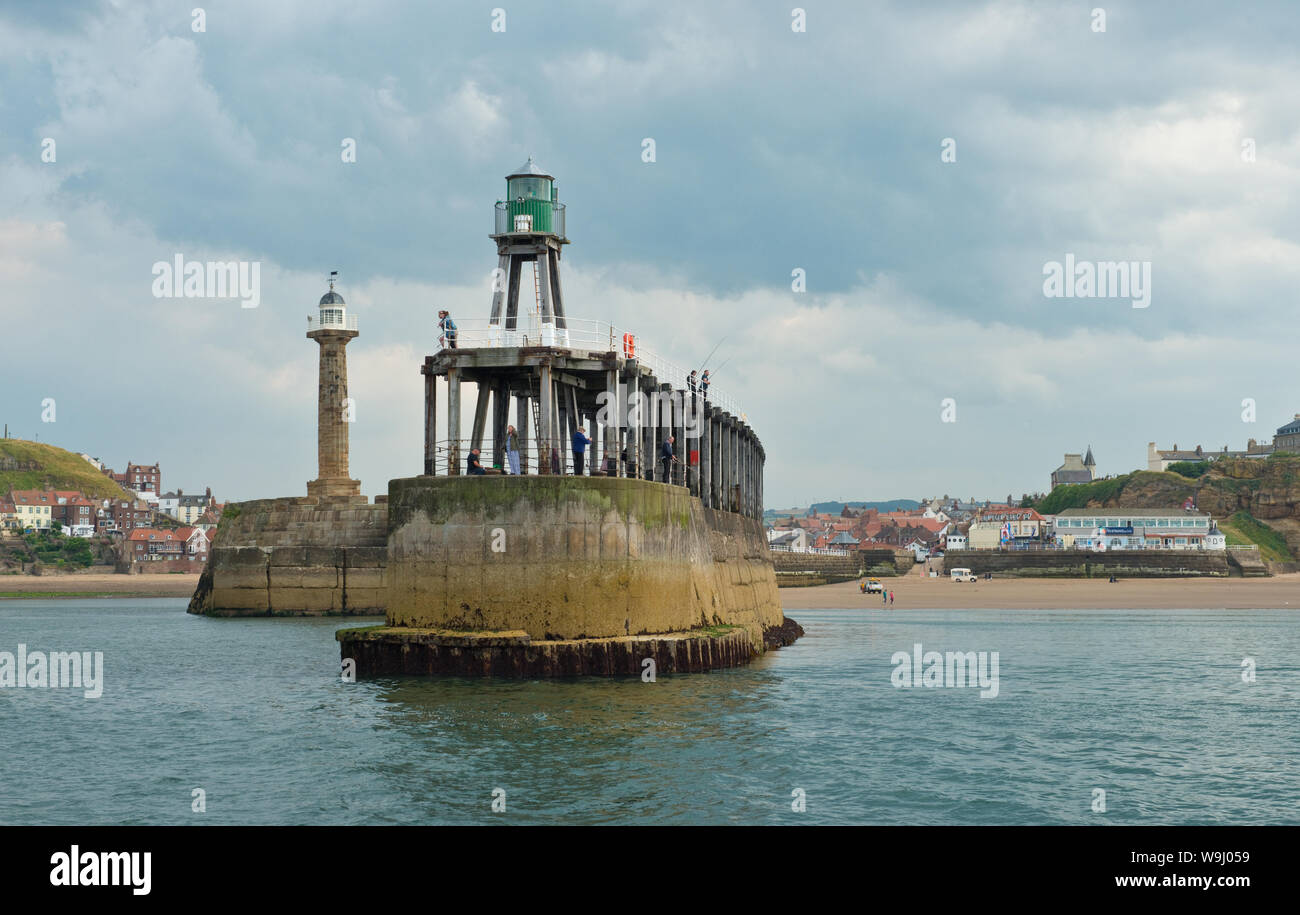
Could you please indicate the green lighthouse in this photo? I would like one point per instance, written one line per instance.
(529, 230)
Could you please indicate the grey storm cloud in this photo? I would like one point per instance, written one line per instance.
(774, 151)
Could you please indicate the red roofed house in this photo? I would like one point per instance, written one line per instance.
(146, 544)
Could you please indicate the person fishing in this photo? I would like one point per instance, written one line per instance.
(704, 383)
(668, 459)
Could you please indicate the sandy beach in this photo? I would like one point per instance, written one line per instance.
(98, 584)
(913, 592)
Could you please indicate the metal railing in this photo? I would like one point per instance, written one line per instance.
(529, 217)
(560, 461)
(346, 322)
(819, 551)
(580, 335)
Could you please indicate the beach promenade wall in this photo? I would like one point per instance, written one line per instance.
(1087, 564)
(818, 567)
(565, 558)
(297, 557)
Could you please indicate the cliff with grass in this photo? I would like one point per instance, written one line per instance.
(35, 465)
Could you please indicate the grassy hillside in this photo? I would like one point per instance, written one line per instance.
(1243, 529)
(60, 469)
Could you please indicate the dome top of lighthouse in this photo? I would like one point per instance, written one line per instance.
(332, 298)
(530, 169)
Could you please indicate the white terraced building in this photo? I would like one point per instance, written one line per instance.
(1137, 529)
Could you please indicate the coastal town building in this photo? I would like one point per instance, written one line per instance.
(143, 477)
(75, 512)
(1007, 527)
(187, 509)
(1160, 459)
(128, 514)
(1136, 529)
(1287, 437)
(146, 544)
(1075, 469)
(33, 509)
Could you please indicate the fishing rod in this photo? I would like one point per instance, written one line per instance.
(712, 351)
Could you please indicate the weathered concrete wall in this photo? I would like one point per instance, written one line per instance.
(817, 562)
(572, 558)
(1086, 564)
(886, 562)
(297, 557)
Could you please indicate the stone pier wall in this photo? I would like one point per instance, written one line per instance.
(297, 557)
(562, 558)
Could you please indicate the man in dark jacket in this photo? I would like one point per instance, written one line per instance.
(580, 443)
(667, 459)
(472, 465)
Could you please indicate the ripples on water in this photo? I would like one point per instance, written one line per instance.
(1148, 705)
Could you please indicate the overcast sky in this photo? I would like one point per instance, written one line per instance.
(774, 150)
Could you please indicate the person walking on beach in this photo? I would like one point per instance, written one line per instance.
(580, 443)
(891, 598)
(884, 598)
(448, 327)
(512, 450)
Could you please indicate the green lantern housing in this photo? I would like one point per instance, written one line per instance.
(531, 206)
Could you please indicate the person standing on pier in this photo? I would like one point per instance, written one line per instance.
(666, 456)
(580, 443)
(704, 384)
(512, 450)
(448, 328)
(690, 381)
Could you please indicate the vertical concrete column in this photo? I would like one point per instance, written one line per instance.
(500, 417)
(665, 430)
(430, 419)
(480, 417)
(735, 462)
(544, 410)
(613, 422)
(523, 403)
(558, 443)
(634, 422)
(724, 460)
(749, 471)
(499, 287)
(543, 267)
(706, 458)
(744, 469)
(453, 421)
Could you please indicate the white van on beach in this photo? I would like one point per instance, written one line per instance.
(962, 575)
